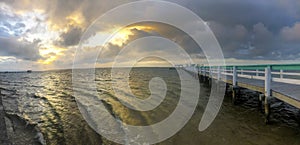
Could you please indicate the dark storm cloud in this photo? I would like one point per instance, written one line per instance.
(247, 12)
(238, 42)
(256, 43)
(71, 37)
(176, 35)
(252, 29)
(21, 50)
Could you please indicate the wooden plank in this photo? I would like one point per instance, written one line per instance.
(286, 99)
(251, 87)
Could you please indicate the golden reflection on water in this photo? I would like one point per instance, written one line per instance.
(61, 121)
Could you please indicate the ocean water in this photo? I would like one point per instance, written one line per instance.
(45, 104)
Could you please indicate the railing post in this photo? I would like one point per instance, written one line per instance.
(268, 78)
(281, 74)
(257, 72)
(242, 72)
(234, 75)
(235, 88)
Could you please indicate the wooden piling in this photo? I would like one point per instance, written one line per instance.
(235, 93)
(260, 102)
(267, 110)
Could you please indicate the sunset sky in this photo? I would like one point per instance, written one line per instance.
(44, 34)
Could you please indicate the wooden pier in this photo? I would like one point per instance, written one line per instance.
(279, 81)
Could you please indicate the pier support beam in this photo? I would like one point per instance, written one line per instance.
(201, 78)
(264, 107)
(235, 93)
(204, 75)
(210, 79)
(260, 102)
(205, 79)
(267, 110)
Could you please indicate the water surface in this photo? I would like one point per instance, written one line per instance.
(46, 101)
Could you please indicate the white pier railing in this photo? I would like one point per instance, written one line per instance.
(283, 73)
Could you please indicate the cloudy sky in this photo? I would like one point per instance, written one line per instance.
(43, 34)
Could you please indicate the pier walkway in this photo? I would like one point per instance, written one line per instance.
(279, 81)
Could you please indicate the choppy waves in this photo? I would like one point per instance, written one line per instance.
(41, 108)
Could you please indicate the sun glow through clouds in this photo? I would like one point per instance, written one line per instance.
(47, 32)
(76, 19)
(122, 36)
